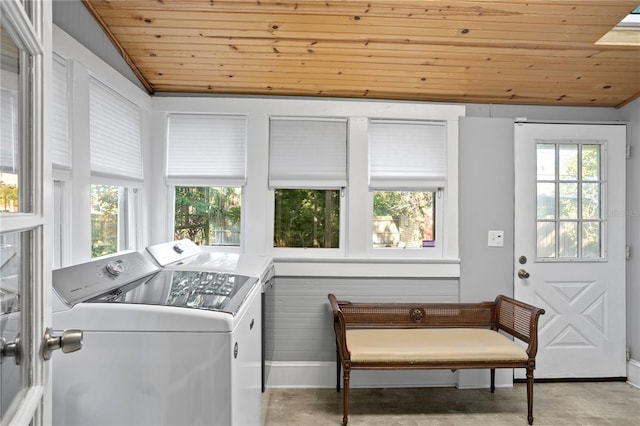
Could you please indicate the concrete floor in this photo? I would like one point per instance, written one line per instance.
(591, 403)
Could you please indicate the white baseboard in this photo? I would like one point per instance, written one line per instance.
(481, 379)
(323, 375)
(633, 373)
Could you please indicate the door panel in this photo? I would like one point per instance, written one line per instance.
(570, 245)
(23, 261)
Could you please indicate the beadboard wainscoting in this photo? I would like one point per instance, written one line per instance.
(303, 340)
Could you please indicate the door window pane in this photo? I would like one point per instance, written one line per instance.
(568, 241)
(14, 285)
(591, 240)
(546, 239)
(307, 218)
(591, 201)
(403, 219)
(207, 215)
(15, 140)
(546, 164)
(569, 224)
(546, 205)
(590, 162)
(568, 161)
(568, 200)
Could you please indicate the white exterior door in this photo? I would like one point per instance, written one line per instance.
(570, 185)
(25, 255)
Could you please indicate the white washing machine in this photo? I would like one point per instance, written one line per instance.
(160, 347)
(185, 255)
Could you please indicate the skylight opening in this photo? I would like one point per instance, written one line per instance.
(632, 19)
(626, 33)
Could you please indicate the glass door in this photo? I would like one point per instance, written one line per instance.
(25, 270)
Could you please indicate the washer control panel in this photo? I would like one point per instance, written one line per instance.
(77, 283)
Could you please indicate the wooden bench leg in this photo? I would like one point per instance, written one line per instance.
(493, 380)
(530, 395)
(345, 394)
(337, 367)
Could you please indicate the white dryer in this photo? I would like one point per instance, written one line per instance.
(185, 255)
(161, 347)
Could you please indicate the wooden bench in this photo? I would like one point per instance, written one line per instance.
(407, 336)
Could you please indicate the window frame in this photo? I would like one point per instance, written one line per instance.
(130, 236)
(446, 189)
(171, 211)
(306, 184)
(604, 194)
(434, 252)
(309, 252)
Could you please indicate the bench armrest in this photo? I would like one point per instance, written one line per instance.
(340, 327)
(520, 320)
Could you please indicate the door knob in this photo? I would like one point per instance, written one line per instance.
(11, 349)
(70, 341)
(522, 274)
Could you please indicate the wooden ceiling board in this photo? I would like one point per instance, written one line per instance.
(539, 52)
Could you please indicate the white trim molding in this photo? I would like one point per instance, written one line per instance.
(633, 373)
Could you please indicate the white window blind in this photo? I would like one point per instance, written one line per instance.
(61, 147)
(114, 133)
(8, 132)
(407, 155)
(207, 147)
(307, 153)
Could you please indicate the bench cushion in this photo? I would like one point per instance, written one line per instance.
(437, 345)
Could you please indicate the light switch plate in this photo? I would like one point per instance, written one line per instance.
(496, 239)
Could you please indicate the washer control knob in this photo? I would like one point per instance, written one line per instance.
(115, 268)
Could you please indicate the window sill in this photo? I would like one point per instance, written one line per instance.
(368, 267)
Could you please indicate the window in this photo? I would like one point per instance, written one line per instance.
(109, 219)
(569, 201)
(403, 219)
(60, 140)
(208, 215)
(407, 177)
(15, 138)
(61, 159)
(307, 218)
(115, 142)
(308, 171)
(206, 165)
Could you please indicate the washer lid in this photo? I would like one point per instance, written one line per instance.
(186, 289)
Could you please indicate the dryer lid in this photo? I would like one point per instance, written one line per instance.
(173, 252)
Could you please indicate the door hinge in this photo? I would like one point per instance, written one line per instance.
(627, 252)
(628, 152)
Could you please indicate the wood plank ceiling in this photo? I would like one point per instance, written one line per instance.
(538, 52)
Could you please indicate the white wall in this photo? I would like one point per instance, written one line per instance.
(486, 203)
(631, 114)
